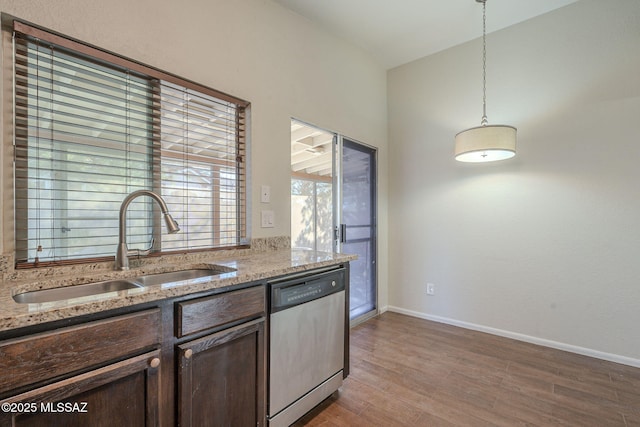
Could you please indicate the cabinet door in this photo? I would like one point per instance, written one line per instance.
(121, 394)
(221, 378)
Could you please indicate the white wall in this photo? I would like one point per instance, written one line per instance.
(254, 49)
(546, 246)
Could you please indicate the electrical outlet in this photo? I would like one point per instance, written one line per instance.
(431, 289)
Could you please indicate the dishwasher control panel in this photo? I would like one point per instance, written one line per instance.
(307, 288)
(298, 293)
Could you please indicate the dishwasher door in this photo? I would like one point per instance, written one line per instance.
(306, 350)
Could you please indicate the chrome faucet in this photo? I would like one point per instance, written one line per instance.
(123, 253)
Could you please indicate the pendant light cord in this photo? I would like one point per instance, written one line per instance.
(484, 121)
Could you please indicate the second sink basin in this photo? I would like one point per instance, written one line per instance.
(177, 276)
(76, 291)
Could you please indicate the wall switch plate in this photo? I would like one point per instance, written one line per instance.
(265, 194)
(267, 219)
(431, 289)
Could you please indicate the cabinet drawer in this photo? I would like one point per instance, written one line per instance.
(210, 312)
(39, 357)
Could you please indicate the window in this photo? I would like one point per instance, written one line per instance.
(312, 214)
(91, 127)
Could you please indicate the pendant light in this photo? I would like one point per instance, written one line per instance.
(485, 143)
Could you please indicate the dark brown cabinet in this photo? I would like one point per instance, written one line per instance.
(220, 378)
(124, 394)
(188, 361)
(221, 374)
(100, 373)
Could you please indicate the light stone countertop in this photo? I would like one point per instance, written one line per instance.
(247, 268)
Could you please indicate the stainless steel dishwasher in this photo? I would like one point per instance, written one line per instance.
(306, 342)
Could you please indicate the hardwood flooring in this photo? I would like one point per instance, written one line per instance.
(413, 372)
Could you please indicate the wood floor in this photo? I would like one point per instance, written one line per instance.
(413, 372)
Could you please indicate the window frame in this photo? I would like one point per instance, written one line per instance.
(242, 108)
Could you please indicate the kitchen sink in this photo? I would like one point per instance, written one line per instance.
(76, 291)
(170, 279)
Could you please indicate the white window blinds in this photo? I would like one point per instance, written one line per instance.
(91, 127)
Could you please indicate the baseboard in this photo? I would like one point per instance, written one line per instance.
(521, 337)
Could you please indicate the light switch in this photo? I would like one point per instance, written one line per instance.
(267, 219)
(265, 194)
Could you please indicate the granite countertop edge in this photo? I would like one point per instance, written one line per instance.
(247, 268)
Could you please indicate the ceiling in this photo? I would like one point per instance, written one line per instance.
(311, 151)
(395, 32)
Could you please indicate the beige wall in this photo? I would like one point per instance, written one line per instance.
(254, 49)
(544, 247)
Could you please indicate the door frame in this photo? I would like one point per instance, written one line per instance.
(338, 205)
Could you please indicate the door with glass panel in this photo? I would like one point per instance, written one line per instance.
(333, 206)
(358, 224)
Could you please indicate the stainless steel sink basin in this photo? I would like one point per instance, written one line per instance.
(169, 279)
(178, 276)
(76, 291)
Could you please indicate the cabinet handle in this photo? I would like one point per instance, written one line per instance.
(188, 353)
(155, 362)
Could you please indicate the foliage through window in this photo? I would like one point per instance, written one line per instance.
(312, 214)
(91, 127)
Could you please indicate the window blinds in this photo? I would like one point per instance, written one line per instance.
(200, 160)
(91, 127)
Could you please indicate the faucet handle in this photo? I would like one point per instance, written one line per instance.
(147, 251)
(142, 252)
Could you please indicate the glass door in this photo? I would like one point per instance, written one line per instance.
(312, 194)
(357, 230)
(333, 206)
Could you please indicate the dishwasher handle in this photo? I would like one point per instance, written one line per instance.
(305, 275)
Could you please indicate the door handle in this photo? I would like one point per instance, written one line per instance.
(343, 233)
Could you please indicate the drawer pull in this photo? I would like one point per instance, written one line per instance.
(155, 362)
(188, 353)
